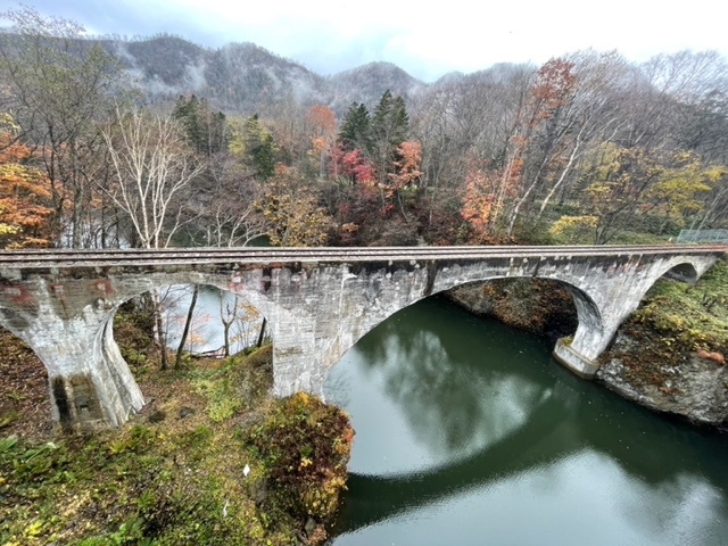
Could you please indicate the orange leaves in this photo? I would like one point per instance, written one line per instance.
(553, 89)
(24, 197)
(486, 192)
(480, 192)
(322, 128)
(408, 166)
(322, 121)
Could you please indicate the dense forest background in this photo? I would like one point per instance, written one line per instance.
(157, 142)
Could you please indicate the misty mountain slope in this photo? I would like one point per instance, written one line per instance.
(367, 83)
(243, 78)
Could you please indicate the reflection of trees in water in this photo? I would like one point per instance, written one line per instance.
(219, 318)
(503, 419)
(453, 404)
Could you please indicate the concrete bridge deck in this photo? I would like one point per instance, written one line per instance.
(318, 302)
(52, 258)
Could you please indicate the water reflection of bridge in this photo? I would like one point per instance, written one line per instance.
(556, 427)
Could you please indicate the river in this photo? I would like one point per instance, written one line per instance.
(468, 433)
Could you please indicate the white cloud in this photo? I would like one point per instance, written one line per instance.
(331, 35)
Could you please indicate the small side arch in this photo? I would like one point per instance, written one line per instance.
(684, 272)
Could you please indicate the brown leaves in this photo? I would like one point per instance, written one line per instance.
(292, 212)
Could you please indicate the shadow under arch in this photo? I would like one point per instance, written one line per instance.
(683, 272)
(542, 306)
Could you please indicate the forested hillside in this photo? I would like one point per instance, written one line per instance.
(162, 142)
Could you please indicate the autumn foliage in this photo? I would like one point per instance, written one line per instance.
(24, 194)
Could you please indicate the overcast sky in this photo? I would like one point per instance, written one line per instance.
(329, 36)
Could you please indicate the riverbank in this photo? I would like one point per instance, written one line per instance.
(669, 356)
(210, 460)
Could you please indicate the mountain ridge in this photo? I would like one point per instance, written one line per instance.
(244, 78)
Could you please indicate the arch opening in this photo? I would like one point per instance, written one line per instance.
(198, 320)
(221, 323)
(684, 272)
(130, 334)
(563, 309)
(542, 306)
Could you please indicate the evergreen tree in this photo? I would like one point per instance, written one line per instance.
(260, 148)
(389, 128)
(356, 129)
(203, 128)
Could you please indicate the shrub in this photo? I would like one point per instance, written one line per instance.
(305, 445)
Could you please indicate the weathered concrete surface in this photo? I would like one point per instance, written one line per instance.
(316, 312)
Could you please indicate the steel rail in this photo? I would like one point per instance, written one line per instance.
(69, 258)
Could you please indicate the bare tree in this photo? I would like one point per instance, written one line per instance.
(152, 165)
(227, 204)
(57, 85)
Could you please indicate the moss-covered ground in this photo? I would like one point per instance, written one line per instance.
(675, 320)
(210, 460)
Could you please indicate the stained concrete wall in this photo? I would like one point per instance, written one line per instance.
(316, 313)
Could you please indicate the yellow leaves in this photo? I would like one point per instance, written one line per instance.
(293, 213)
(35, 529)
(715, 174)
(24, 195)
(7, 124)
(679, 184)
(575, 229)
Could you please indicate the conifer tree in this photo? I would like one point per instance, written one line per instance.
(356, 129)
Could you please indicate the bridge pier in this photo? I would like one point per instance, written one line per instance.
(91, 386)
(573, 360)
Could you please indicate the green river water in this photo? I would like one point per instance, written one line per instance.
(467, 432)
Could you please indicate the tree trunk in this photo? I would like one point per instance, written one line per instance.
(261, 335)
(227, 323)
(186, 331)
(159, 329)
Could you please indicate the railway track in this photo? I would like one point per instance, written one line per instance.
(43, 259)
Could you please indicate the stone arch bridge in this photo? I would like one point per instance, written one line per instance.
(318, 303)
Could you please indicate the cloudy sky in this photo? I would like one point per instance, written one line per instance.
(328, 36)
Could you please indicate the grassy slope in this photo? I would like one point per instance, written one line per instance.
(695, 316)
(175, 474)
